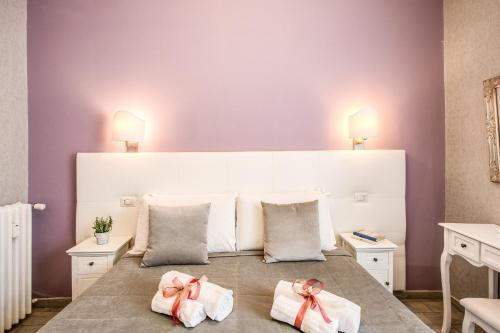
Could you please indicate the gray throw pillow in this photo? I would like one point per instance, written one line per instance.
(177, 235)
(291, 232)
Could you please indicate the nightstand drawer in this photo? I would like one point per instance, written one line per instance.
(490, 256)
(83, 283)
(373, 260)
(92, 265)
(382, 276)
(377, 259)
(89, 261)
(465, 246)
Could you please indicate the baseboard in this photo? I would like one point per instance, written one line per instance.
(418, 294)
(52, 302)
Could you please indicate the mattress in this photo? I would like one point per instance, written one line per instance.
(120, 301)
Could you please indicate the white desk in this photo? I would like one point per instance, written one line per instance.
(479, 244)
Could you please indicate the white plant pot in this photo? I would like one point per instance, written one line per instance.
(102, 238)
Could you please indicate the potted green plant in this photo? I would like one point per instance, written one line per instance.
(102, 227)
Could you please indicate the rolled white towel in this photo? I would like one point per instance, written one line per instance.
(191, 313)
(285, 309)
(217, 301)
(346, 312)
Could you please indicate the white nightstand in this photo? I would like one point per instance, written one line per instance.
(377, 259)
(90, 261)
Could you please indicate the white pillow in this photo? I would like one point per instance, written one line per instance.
(221, 235)
(250, 220)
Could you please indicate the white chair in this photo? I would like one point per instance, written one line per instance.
(484, 312)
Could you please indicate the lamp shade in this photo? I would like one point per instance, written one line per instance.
(363, 124)
(128, 127)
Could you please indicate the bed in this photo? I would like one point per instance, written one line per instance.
(121, 300)
(109, 184)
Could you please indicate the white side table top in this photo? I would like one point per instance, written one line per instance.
(90, 246)
(360, 245)
(485, 233)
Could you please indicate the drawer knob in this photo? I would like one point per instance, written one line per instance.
(463, 245)
(375, 259)
(386, 283)
(91, 263)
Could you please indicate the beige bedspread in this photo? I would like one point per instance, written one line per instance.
(120, 301)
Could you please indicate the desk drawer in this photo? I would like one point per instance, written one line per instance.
(373, 260)
(92, 265)
(490, 256)
(467, 247)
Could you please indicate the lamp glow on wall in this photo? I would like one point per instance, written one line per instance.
(128, 128)
(363, 125)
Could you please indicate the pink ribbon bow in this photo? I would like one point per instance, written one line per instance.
(190, 290)
(309, 292)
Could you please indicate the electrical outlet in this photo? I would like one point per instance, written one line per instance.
(128, 201)
(360, 196)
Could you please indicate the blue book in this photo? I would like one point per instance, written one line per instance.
(368, 235)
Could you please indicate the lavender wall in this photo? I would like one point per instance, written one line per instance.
(224, 75)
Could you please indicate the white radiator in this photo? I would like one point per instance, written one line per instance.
(15, 264)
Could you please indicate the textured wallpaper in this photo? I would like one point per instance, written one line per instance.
(13, 102)
(472, 49)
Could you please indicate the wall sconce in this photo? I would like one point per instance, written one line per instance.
(128, 128)
(362, 125)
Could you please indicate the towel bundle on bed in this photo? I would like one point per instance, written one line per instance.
(191, 312)
(215, 302)
(341, 312)
(285, 309)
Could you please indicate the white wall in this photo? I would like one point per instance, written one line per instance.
(13, 102)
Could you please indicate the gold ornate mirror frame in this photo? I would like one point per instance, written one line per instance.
(492, 96)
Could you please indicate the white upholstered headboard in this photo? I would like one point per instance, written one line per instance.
(103, 178)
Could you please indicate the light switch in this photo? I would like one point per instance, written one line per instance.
(128, 201)
(360, 196)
